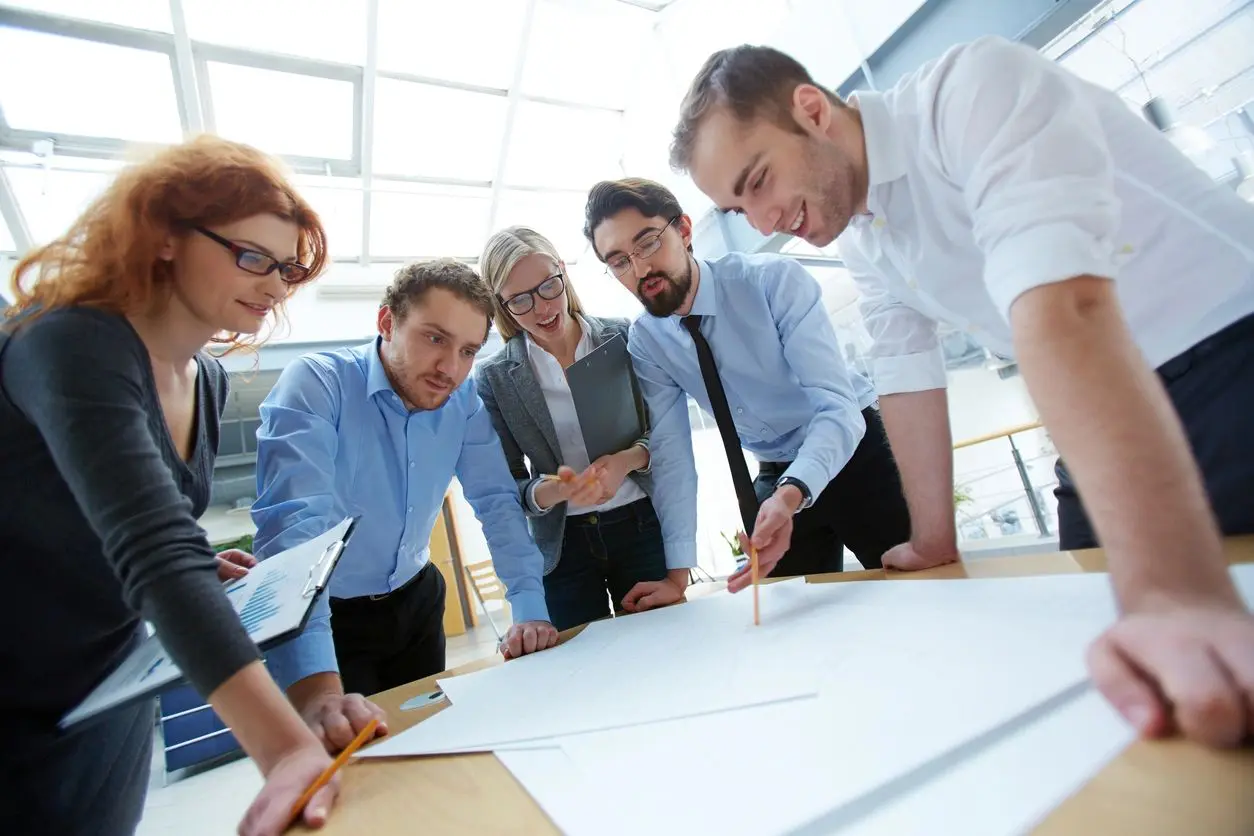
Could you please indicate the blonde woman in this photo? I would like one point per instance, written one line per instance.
(596, 526)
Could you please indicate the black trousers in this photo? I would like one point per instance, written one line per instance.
(88, 781)
(610, 550)
(385, 641)
(1211, 387)
(863, 508)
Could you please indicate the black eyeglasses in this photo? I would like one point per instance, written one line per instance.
(521, 303)
(259, 263)
(645, 247)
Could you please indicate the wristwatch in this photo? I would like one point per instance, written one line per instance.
(806, 499)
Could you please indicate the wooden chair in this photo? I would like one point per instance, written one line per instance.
(487, 587)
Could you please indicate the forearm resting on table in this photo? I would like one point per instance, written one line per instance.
(679, 577)
(304, 691)
(260, 717)
(917, 424)
(1122, 442)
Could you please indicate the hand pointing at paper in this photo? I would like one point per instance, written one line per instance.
(772, 535)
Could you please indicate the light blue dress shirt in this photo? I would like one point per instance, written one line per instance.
(336, 440)
(791, 396)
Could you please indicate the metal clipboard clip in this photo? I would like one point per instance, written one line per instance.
(320, 571)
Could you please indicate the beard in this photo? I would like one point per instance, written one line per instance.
(408, 385)
(832, 205)
(668, 300)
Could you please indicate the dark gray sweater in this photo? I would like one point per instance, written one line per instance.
(98, 517)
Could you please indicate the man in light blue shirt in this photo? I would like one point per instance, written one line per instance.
(379, 431)
(748, 338)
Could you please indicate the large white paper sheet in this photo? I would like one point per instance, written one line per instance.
(880, 715)
(1007, 788)
(677, 662)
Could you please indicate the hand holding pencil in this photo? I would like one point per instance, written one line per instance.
(567, 486)
(772, 535)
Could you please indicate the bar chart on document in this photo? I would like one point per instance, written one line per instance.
(272, 601)
(262, 605)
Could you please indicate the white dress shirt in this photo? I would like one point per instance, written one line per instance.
(992, 171)
(557, 397)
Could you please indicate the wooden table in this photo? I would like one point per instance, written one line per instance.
(1163, 787)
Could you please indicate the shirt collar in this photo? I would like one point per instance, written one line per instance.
(536, 354)
(705, 302)
(376, 376)
(885, 156)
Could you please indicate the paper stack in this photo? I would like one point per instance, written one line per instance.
(869, 708)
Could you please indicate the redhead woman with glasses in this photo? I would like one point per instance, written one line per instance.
(109, 416)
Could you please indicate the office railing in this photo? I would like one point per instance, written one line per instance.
(991, 487)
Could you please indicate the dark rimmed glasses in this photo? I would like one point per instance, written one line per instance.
(649, 244)
(521, 303)
(259, 263)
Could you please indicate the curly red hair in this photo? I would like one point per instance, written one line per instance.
(109, 258)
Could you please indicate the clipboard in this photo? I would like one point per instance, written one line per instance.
(607, 398)
(273, 601)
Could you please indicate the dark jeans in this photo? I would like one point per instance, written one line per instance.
(391, 640)
(1212, 388)
(862, 508)
(611, 550)
(91, 779)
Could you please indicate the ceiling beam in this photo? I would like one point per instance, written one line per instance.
(183, 66)
(366, 152)
(511, 113)
(86, 30)
(11, 214)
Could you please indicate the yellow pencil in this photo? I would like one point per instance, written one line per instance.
(753, 563)
(327, 774)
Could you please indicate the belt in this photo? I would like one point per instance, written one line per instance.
(774, 470)
(632, 510)
(361, 599)
(1182, 362)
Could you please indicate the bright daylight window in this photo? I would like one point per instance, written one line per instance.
(78, 86)
(52, 200)
(413, 220)
(421, 129)
(283, 113)
(474, 42)
(563, 147)
(330, 30)
(557, 216)
(566, 57)
(153, 15)
(338, 202)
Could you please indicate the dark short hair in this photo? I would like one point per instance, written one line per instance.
(752, 82)
(609, 197)
(411, 283)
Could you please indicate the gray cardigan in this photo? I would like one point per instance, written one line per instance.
(512, 396)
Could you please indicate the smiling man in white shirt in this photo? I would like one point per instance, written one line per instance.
(993, 190)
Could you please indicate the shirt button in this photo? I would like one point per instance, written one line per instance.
(879, 223)
(411, 509)
(411, 464)
(739, 411)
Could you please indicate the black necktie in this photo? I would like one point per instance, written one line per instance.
(745, 496)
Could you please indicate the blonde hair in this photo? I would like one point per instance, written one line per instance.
(501, 255)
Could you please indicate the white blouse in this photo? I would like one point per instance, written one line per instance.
(557, 397)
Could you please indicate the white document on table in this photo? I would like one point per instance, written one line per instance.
(1009, 787)
(985, 684)
(700, 658)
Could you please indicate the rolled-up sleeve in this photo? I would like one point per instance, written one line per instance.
(905, 353)
(1030, 157)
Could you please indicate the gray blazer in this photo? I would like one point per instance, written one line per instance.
(512, 396)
